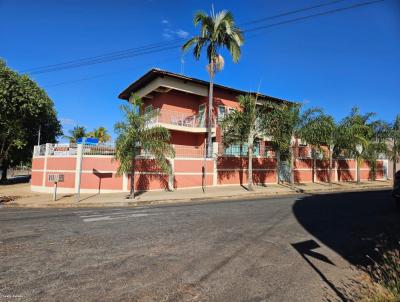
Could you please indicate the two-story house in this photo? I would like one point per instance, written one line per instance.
(182, 103)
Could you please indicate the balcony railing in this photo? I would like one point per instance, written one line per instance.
(176, 118)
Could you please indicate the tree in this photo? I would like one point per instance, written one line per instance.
(24, 108)
(394, 138)
(217, 31)
(377, 145)
(283, 124)
(100, 133)
(356, 135)
(76, 133)
(135, 137)
(275, 124)
(319, 129)
(240, 127)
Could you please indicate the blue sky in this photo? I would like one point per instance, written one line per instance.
(334, 61)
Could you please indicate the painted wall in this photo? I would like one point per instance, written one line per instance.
(99, 173)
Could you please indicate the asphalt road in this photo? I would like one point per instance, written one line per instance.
(276, 249)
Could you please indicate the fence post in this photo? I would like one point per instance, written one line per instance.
(78, 170)
(46, 155)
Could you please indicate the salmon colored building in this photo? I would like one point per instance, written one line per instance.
(181, 104)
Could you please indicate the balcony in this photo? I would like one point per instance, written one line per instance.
(180, 121)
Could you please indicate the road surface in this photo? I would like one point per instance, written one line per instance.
(273, 249)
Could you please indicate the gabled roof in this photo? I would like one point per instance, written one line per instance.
(155, 73)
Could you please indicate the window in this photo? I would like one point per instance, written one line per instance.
(221, 112)
(234, 149)
(148, 109)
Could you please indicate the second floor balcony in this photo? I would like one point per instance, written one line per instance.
(180, 121)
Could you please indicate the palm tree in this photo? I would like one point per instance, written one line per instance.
(240, 127)
(100, 133)
(283, 124)
(319, 130)
(273, 125)
(356, 134)
(394, 137)
(74, 134)
(217, 31)
(136, 137)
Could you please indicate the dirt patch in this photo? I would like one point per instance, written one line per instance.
(5, 199)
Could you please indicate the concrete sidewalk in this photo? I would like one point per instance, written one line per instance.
(23, 197)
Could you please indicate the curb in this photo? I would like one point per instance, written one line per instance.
(296, 191)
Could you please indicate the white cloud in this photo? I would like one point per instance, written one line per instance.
(169, 32)
(181, 33)
(166, 35)
(65, 121)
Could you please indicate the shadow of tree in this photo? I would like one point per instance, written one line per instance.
(231, 167)
(322, 172)
(343, 171)
(352, 224)
(147, 174)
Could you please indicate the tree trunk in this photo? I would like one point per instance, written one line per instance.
(132, 193)
(278, 164)
(4, 168)
(250, 162)
(210, 110)
(330, 166)
(241, 164)
(291, 165)
(313, 163)
(358, 170)
(394, 167)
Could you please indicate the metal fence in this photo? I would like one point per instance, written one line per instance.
(171, 117)
(100, 149)
(109, 150)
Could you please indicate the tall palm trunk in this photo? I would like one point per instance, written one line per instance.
(210, 110)
(250, 159)
(4, 168)
(278, 164)
(132, 192)
(394, 158)
(313, 163)
(330, 166)
(291, 165)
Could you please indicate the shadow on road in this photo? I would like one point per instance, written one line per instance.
(351, 224)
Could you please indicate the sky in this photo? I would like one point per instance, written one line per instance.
(335, 61)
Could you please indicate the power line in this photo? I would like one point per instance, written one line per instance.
(333, 11)
(121, 54)
(164, 46)
(291, 12)
(105, 58)
(106, 74)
